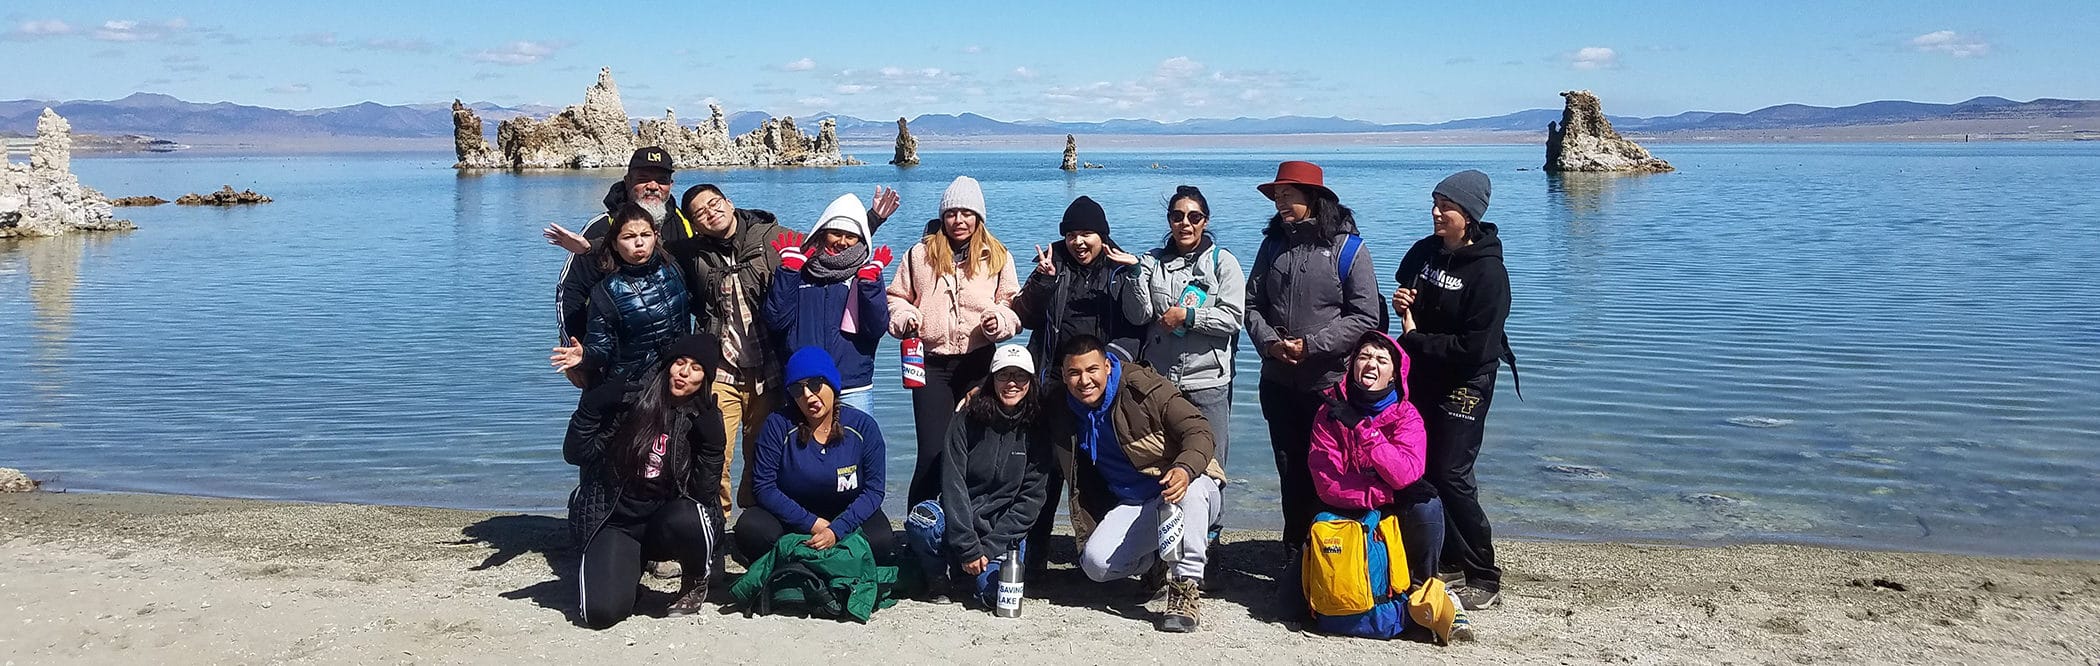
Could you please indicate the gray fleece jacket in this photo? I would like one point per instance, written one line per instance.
(1295, 290)
(1199, 354)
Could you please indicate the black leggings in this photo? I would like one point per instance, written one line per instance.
(1456, 420)
(933, 406)
(1290, 416)
(611, 568)
(757, 530)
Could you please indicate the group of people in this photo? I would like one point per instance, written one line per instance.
(694, 326)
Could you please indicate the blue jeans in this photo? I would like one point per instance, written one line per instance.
(925, 527)
(863, 401)
(1421, 532)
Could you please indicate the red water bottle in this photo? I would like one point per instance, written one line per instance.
(914, 353)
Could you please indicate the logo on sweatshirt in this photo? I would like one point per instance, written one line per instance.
(849, 478)
(1441, 279)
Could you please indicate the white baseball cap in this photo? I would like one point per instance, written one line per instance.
(1012, 356)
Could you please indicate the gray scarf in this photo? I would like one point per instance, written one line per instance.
(825, 268)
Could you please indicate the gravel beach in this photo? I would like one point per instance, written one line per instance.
(112, 578)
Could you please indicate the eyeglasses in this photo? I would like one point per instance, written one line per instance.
(1193, 216)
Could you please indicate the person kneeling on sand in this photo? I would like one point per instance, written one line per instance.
(1138, 454)
(995, 474)
(647, 452)
(819, 470)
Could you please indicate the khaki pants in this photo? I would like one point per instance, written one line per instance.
(744, 412)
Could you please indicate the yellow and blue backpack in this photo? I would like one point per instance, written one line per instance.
(1355, 573)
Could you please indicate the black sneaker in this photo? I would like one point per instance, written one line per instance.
(1473, 598)
(1184, 606)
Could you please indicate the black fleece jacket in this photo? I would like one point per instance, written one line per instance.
(1461, 303)
(994, 480)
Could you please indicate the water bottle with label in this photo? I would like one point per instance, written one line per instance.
(1192, 297)
(1170, 533)
(914, 353)
(1010, 570)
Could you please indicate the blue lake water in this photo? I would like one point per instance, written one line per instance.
(1891, 346)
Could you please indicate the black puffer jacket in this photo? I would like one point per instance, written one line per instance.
(1080, 300)
(599, 487)
(635, 313)
(572, 291)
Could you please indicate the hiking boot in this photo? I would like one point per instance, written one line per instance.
(1452, 577)
(1184, 601)
(691, 600)
(1461, 627)
(1473, 598)
(666, 570)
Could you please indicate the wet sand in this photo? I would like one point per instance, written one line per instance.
(104, 578)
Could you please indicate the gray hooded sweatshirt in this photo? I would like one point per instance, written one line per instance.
(1200, 355)
(1296, 290)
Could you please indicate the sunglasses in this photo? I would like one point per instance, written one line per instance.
(1193, 217)
(809, 386)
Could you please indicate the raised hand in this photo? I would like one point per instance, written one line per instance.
(1119, 256)
(1043, 263)
(789, 245)
(565, 239)
(567, 356)
(885, 203)
(872, 271)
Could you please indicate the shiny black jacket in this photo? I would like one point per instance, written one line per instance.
(634, 313)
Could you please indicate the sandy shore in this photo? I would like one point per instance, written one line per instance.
(159, 579)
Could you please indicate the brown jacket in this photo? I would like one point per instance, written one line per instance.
(1156, 425)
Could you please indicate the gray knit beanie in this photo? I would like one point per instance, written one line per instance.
(964, 193)
(1470, 190)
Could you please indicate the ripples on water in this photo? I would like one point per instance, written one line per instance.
(1888, 346)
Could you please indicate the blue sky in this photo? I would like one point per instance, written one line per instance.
(1075, 60)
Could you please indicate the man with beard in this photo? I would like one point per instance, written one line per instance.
(647, 184)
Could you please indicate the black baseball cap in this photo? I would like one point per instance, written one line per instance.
(650, 157)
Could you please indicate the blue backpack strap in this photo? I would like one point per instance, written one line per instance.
(1350, 246)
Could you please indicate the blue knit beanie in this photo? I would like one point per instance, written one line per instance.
(812, 361)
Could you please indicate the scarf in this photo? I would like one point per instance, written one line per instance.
(826, 267)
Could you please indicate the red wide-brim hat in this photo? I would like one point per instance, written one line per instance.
(1302, 174)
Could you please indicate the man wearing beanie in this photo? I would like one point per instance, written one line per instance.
(647, 183)
(1452, 302)
(1076, 290)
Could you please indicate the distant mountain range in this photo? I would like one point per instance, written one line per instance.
(168, 117)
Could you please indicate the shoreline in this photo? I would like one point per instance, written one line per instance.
(109, 577)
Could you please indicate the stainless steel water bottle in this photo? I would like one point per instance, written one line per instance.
(1009, 601)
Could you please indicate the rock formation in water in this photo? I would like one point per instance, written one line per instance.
(43, 197)
(224, 197)
(1583, 140)
(148, 200)
(907, 146)
(14, 481)
(1071, 154)
(596, 134)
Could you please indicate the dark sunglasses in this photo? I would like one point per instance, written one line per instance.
(1193, 217)
(811, 386)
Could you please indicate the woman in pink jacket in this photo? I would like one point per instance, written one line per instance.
(952, 292)
(1367, 451)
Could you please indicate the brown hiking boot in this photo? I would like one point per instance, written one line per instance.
(691, 599)
(1184, 603)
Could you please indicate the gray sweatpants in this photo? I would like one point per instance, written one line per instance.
(1126, 542)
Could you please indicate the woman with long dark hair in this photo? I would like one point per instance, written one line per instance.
(647, 451)
(638, 308)
(819, 468)
(995, 475)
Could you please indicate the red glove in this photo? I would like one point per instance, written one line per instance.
(789, 245)
(872, 271)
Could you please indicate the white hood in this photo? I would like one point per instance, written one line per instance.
(844, 214)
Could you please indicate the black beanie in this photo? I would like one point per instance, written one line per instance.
(1084, 215)
(1469, 189)
(704, 349)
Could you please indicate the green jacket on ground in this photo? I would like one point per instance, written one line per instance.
(840, 581)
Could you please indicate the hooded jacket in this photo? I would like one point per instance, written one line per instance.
(729, 277)
(1461, 303)
(806, 311)
(995, 477)
(635, 313)
(1156, 426)
(1081, 299)
(572, 291)
(1367, 464)
(600, 488)
(1200, 355)
(950, 309)
(1296, 291)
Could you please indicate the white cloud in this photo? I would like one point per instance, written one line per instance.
(802, 65)
(814, 102)
(517, 53)
(314, 39)
(851, 88)
(139, 31)
(400, 44)
(290, 89)
(37, 29)
(1179, 86)
(1951, 43)
(1594, 57)
(1024, 73)
(1178, 67)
